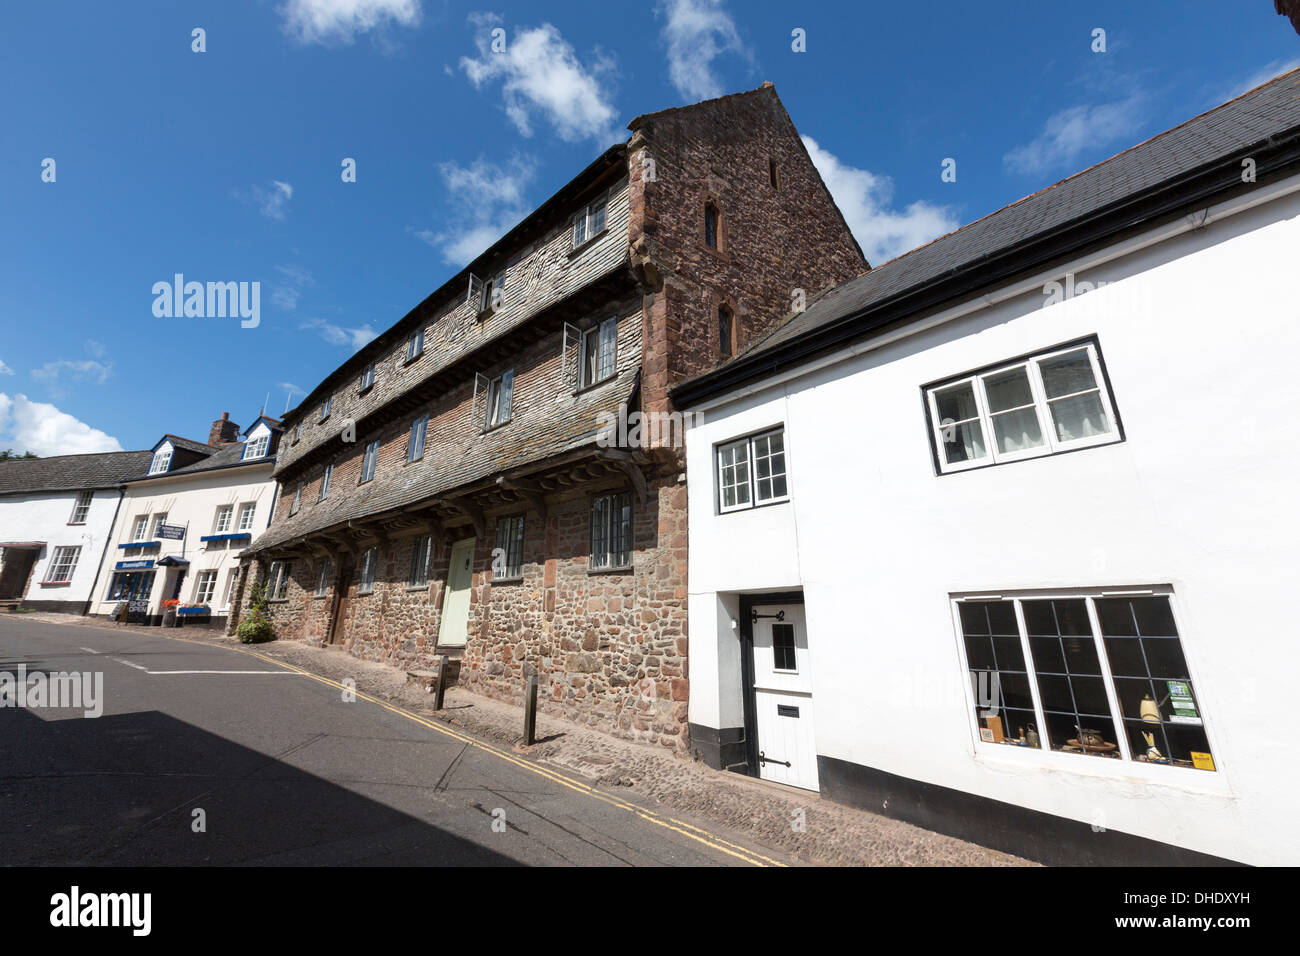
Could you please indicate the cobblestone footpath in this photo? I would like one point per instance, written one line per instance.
(831, 834)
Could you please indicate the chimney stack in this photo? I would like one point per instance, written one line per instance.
(224, 431)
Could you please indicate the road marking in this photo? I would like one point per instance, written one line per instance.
(698, 834)
(89, 650)
(141, 667)
(279, 673)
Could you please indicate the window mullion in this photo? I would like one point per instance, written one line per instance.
(1031, 671)
(1041, 408)
(986, 418)
(1112, 695)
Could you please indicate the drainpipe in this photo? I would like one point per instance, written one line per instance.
(108, 539)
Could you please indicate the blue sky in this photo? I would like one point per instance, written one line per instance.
(225, 165)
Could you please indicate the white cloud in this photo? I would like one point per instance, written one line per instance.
(78, 370)
(44, 430)
(696, 33)
(339, 21)
(285, 294)
(864, 198)
(354, 338)
(97, 349)
(5, 369)
(540, 72)
(1258, 78)
(485, 201)
(1071, 132)
(271, 203)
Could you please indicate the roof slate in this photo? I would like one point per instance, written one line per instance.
(71, 472)
(1249, 119)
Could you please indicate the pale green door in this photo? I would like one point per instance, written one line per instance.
(455, 605)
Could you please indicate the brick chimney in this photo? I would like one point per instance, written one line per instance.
(223, 431)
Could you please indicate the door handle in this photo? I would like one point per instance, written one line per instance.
(762, 758)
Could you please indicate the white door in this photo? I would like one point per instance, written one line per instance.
(787, 745)
(455, 604)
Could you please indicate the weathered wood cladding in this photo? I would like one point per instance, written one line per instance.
(537, 278)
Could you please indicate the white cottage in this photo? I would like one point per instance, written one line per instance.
(185, 523)
(56, 517)
(998, 537)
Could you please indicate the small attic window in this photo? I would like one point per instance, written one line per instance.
(726, 332)
(712, 220)
(162, 460)
(256, 447)
(773, 173)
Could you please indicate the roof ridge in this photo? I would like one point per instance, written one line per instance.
(1087, 169)
(637, 120)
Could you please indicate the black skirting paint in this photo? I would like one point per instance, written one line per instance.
(1032, 834)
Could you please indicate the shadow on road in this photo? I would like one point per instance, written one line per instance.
(122, 790)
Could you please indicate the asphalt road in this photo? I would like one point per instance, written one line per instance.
(285, 772)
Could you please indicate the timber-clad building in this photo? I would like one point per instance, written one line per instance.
(455, 487)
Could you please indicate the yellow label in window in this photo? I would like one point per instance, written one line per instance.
(1202, 761)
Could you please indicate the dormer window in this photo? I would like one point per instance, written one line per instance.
(415, 346)
(256, 447)
(589, 223)
(367, 378)
(162, 460)
(325, 407)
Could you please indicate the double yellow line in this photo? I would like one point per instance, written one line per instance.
(704, 837)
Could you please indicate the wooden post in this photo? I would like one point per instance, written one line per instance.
(441, 687)
(530, 711)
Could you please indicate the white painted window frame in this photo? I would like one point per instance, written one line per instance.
(1051, 444)
(247, 515)
(751, 459)
(221, 522)
(1069, 760)
(81, 507)
(208, 578)
(63, 565)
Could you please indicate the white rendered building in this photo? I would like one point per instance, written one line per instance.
(999, 538)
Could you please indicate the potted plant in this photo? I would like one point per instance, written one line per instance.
(169, 618)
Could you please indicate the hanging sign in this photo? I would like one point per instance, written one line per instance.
(173, 531)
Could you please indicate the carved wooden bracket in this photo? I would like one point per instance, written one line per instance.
(531, 491)
(631, 468)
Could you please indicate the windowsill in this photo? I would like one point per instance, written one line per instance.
(1112, 771)
(725, 257)
(361, 392)
(417, 587)
(604, 381)
(365, 592)
(483, 315)
(319, 597)
(754, 507)
(582, 247)
(55, 584)
(949, 470)
(617, 569)
(412, 360)
(492, 428)
(284, 600)
(517, 579)
(76, 524)
(413, 461)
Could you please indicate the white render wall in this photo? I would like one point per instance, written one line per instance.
(191, 498)
(1200, 335)
(44, 516)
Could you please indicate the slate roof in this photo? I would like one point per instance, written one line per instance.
(227, 456)
(71, 472)
(1255, 119)
(188, 445)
